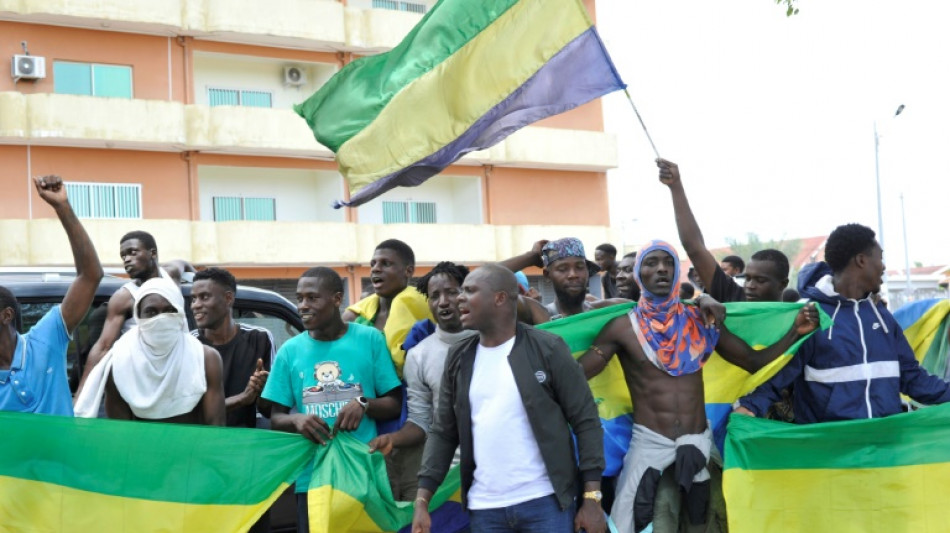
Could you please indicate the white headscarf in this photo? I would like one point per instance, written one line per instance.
(157, 366)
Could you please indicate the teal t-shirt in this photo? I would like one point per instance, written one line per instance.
(320, 377)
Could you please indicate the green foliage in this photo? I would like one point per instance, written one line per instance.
(790, 8)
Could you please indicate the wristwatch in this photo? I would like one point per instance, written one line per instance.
(593, 495)
(364, 403)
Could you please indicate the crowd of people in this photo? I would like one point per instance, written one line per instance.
(447, 369)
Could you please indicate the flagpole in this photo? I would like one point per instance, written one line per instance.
(642, 125)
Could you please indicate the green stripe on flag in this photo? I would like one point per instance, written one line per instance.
(579, 331)
(916, 438)
(344, 107)
(346, 468)
(152, 461)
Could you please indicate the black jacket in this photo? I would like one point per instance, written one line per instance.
(556, 397)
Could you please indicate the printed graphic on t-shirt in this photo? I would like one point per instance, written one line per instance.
(331, 393)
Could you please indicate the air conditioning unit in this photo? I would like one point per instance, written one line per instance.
(294, 76)
(26, 67)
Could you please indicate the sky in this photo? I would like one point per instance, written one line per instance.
(771, 118)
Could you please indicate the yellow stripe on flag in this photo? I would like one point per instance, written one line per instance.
(867, 500)
(35, 506)
(423, 116)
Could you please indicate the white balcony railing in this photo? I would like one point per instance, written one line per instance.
(43, 241)
(87, 121)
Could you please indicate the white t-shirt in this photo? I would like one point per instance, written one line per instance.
(508, 466)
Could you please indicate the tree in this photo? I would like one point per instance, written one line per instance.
(790, 8)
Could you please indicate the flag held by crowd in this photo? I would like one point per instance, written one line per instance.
(349, 491)
(759, 324)
(882, 474)
(75, 475)
(89, 475)
(467, 76)
(926, 325)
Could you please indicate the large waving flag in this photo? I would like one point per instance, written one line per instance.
(759, 324)
(883, 474)
(88, 475)
(467, 76)
(926, 325)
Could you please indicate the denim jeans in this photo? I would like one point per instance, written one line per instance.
(542, 515)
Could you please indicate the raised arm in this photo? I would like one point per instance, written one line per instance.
(739, 353)
(119, 304)
(607, 343)
(691, 237)
(528, 259)
(88, 270)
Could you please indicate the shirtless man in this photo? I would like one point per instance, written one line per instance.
(139, 255)
(666, 385)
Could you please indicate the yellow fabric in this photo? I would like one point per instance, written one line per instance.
(408, 307)
(868, 500)
(726, 383)
(610, 390)
(333, 511)
(439, 106)
(35, 506)
(922, 332)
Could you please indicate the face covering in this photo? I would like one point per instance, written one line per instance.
(162, 333)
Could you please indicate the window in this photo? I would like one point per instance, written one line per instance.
(409, 212)
(237, 208)
(105, 200)
(281, 330)
(91, 79)
(217, 96)
(399, 5)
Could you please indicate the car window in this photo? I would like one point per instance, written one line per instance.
(281, 329)
(84, 336)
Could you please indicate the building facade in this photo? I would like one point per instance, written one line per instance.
(175, 117)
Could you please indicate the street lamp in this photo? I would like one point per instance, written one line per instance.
(877, 178)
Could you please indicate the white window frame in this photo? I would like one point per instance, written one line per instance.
(92, 199)
(239, 92)
(410, 205)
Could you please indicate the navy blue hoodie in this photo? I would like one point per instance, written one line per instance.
(855, 369)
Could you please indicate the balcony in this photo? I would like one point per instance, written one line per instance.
(324, 25)
(251, 131)
(304, 24)
(553, 148)
(138, 16)
(43, 241)
(86, 121)
(377, 30)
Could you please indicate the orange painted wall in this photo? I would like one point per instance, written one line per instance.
(147, 55)
(163, 176)
(589, 116)
(529, 196)
(14, 182)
